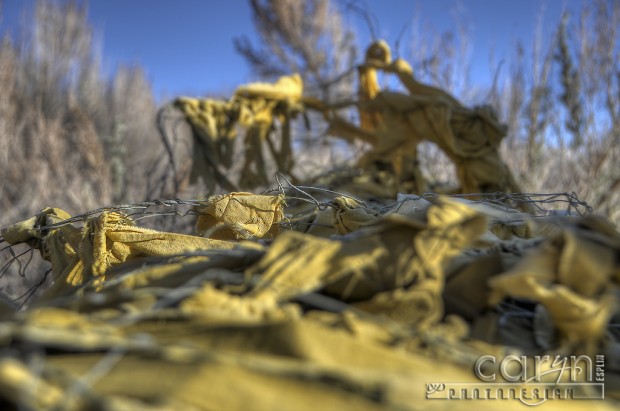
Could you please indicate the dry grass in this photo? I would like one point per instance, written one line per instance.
(70, 137)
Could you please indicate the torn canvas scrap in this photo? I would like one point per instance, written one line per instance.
(504, 223)
(116, 239)
(215, 118)
(44, 225)
(349, 215)
(573, 275)
(396, 123)
(213, 124)
(406, 295)
(58, 243)
(81, 255)
(402, 253)
(396, 252)
(295, 264)
(221, 307)
(255, 107)
(238, 216)
(286, 87)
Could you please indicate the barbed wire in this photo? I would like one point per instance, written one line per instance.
(570, 201)
(322, 198)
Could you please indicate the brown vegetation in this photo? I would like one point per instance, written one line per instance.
(69, 136)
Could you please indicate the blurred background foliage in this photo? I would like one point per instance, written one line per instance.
(75, 137)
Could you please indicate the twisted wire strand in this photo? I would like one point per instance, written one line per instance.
(545, 204)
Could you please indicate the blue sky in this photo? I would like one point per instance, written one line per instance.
(186, 46)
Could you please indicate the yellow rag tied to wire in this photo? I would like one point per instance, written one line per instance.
(240, 216)
(80, 255)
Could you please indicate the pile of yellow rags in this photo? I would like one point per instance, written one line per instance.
(276, 303)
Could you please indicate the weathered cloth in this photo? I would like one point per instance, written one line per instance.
(238, 216)
(394, 124)
(412, 294)
(257, 108)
